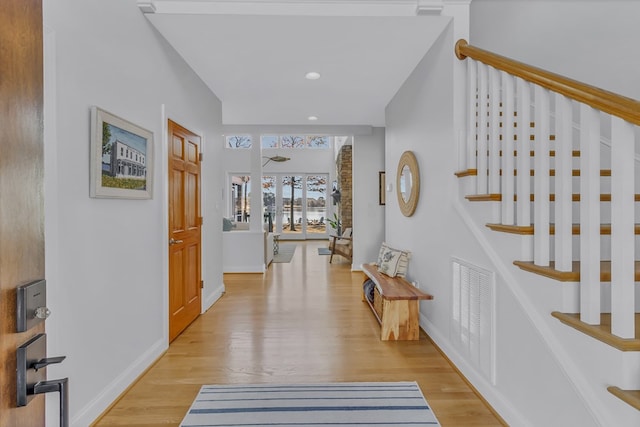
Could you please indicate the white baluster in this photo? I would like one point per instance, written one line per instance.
(524, 156)
(541, 180)
(622, 229)
(563, 184)
(482, 129)
(494, 131)
(589, 215)
(508, 147)
(472, 115)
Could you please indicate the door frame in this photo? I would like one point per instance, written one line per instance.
(52, 212)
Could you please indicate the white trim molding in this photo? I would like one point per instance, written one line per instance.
(429, 7)
(297, 7)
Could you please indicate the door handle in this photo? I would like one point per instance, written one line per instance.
(62, 387)
(31, 379)
(173, 241)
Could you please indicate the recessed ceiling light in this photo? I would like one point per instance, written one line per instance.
(312, 118)
(312, 75)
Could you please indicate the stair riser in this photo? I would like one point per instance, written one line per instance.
(605, 247)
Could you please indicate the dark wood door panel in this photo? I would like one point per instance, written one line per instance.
(21, 189)
(184, 229)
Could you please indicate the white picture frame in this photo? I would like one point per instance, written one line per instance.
(121, 164)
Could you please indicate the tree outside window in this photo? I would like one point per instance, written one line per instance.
(292, 141)
(318, 142)
(239, 141)
(241, 192)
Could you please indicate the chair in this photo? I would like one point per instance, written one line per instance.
(342, 245)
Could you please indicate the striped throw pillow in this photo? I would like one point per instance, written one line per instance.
(393, 262)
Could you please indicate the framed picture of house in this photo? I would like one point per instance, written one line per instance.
(382, 200)
(121, 158)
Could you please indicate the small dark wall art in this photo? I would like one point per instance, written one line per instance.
(382, 200)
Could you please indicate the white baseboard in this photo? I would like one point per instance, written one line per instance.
(484, 387)
(213, 297)
(113, 390)
(257, 268)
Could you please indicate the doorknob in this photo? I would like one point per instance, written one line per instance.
(173, 241)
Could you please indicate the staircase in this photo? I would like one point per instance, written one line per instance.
(559, 157)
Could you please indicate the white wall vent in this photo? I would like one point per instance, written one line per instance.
(473, 316)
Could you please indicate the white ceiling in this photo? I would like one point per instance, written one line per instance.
(255, 58)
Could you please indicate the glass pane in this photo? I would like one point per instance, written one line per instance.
(269, 202)
(240, 198)
(292, 204)
(239, 141)
(321, 142)
(316, 204)
(292, 141)
(269, 141)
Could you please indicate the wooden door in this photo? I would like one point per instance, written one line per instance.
(184, 229)
(21, 189)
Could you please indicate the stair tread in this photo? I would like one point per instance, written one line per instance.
(496, 197)
(632, 397)
(605, 229)
(602, 332)
(574, 274)
(466, 172)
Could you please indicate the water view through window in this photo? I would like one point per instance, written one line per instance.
(296, 203)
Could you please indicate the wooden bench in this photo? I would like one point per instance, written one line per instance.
(395, 305)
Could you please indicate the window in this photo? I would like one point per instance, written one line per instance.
(318, 142)
(292, 141)
(240, 197)
(321, 142)
(239, 141)
(269, 201)
(269, 141)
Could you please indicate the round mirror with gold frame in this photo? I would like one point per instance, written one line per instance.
(408, 183)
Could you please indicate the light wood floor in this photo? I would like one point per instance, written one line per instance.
(302, 321)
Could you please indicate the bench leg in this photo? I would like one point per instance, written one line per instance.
(400, 320)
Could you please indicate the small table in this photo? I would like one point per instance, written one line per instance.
(276, 243)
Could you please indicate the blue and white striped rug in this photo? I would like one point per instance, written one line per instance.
(291, 405)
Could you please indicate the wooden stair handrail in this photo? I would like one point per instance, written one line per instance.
(608, 102)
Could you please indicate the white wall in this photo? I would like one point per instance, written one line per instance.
(368, 229)
(107, 259)
(528, 377)
(244, 252)
(594, 41)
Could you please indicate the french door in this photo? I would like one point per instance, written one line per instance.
(296, 204)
